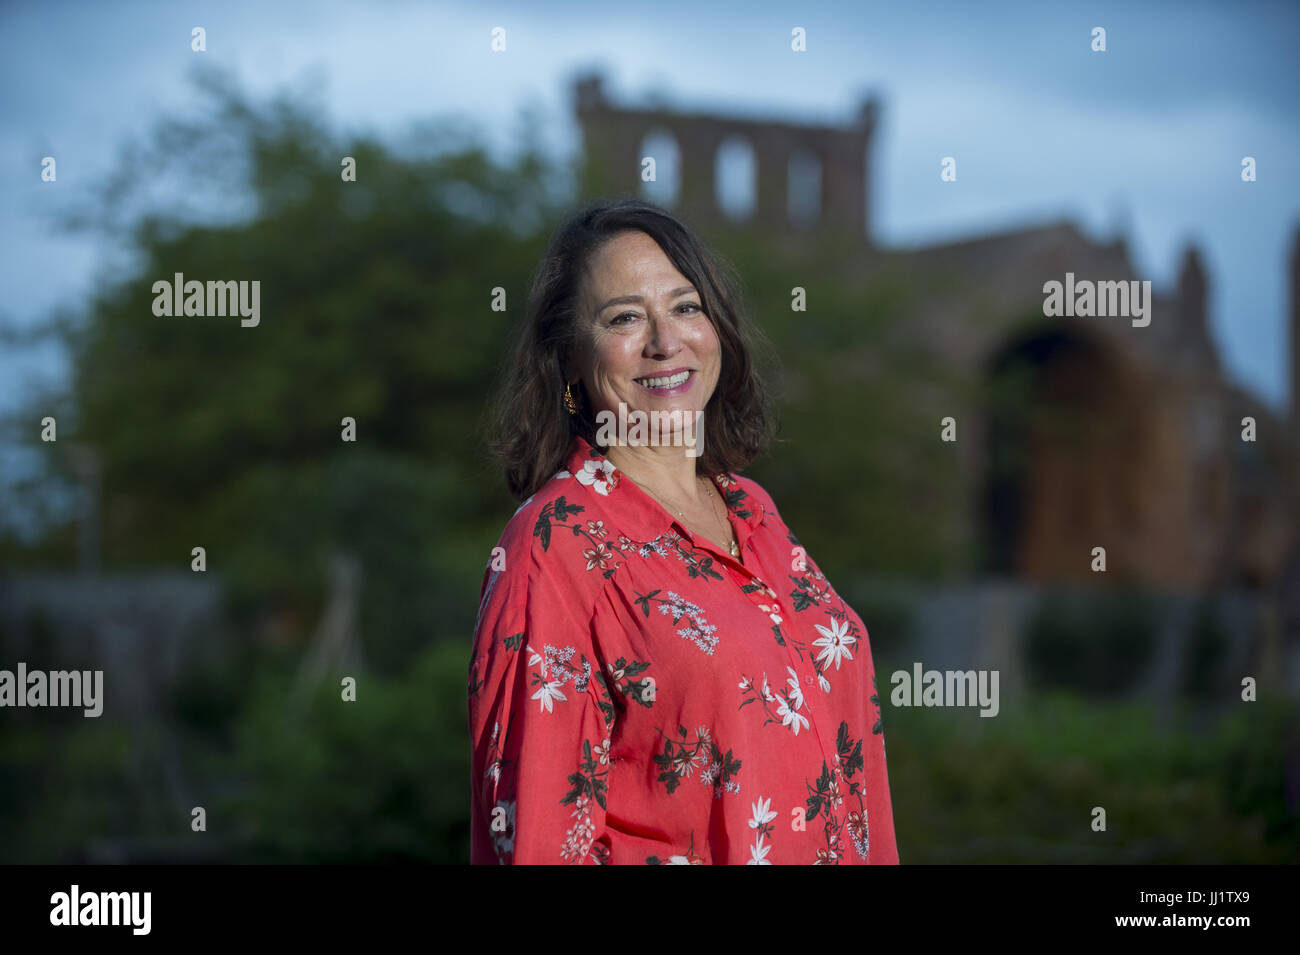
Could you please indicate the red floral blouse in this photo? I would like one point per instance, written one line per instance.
(637, 695)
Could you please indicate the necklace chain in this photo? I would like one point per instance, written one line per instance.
(733, 546)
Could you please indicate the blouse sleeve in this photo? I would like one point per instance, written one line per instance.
(540, 737)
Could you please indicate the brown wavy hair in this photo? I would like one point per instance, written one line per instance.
(532, 432)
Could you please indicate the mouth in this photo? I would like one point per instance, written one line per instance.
(669, 384)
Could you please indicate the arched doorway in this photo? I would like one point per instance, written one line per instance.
(1066, 444)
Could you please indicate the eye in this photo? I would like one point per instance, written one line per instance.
(691, 308)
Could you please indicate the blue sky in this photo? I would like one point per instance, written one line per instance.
(1146, 137)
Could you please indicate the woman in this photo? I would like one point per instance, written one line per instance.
(660, 673)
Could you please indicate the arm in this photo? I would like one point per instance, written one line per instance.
(538, 735)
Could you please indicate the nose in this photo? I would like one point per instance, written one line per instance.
(664, 338)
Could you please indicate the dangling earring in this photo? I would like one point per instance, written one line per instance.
(569, 401)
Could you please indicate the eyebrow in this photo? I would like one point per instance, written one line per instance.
(637, 299)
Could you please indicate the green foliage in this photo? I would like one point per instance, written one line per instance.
(1207, 647)
(381, 779)
(385, 779)
(853, 396)
(70, 790)
(1261, 761)
(1020, 788)
(375, 304)
(1095, 642)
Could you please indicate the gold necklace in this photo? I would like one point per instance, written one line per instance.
(733, 546)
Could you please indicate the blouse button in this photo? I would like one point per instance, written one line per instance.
(807, 679)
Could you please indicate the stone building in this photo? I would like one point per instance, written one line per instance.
(1143, 449)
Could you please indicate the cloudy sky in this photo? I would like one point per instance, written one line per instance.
(1146, 138)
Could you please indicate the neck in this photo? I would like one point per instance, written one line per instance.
(665, 469)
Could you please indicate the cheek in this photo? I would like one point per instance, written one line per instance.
(706, 342)
(614, 357)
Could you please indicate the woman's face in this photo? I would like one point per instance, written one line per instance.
(644, 338)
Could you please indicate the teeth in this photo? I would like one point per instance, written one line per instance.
(671, 382)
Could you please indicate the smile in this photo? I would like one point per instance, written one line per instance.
(665, 381)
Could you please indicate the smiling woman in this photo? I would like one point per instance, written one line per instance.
(631, 613)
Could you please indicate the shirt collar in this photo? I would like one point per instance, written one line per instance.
(639, 513)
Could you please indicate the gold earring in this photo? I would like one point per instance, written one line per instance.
(569, 401)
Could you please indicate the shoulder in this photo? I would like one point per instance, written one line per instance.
(752, 501)
(748, 494)
(531, 529)
(538, 550)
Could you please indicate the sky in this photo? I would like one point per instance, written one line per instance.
(1144, 140)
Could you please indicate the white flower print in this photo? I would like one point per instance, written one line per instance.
(833, 794)
(493, 770)
(701, 755)
(578, 840)
(682, 757)
(547, 693)
(598, 475)
(825, 683)
(856, 824)
(778, 707)
(762, 825)
(796, 693)
(656, 546)
(673, 544)
(555, 664)
(762, 813)
(834, 643)
(789, 717)
(555, 672)
(598, 556)
(700, 632)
